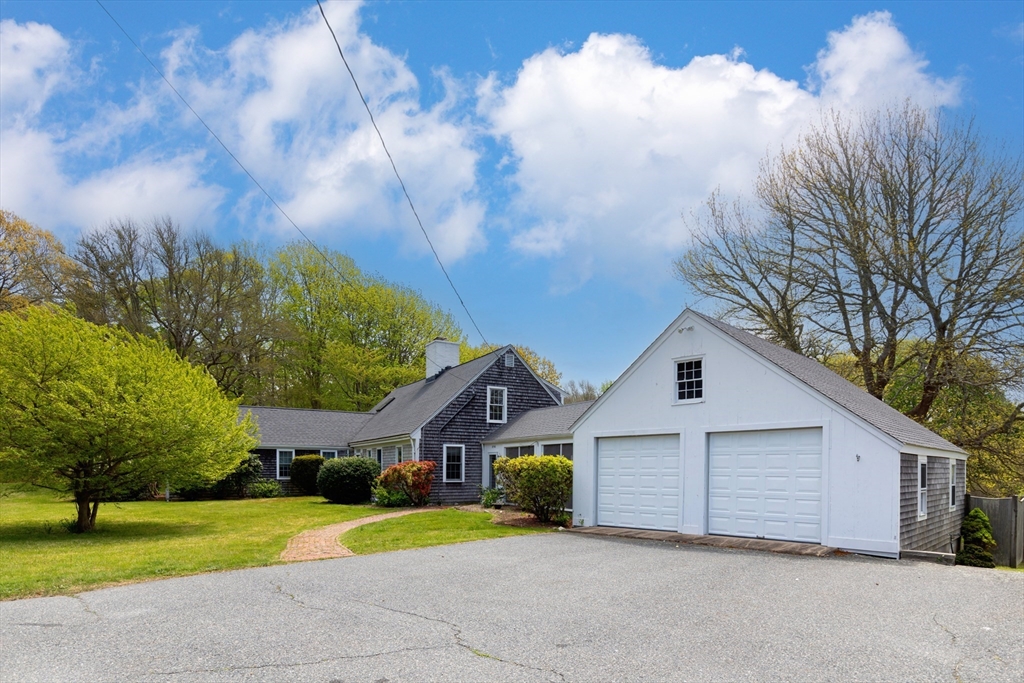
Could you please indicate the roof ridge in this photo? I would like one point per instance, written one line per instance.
(307, 410)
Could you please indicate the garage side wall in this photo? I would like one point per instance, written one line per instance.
(933, 532)
(860, 496)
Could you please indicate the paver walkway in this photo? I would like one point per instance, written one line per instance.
(322, 543)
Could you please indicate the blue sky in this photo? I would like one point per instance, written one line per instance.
(552, 148)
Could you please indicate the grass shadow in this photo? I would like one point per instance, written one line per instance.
(114, 530)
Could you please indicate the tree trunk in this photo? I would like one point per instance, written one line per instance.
(86, 516)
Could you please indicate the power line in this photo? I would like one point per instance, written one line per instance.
(397, 175)
(262, 189)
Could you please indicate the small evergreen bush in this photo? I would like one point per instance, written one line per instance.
(536, 483)
(235, 485)
(411, 480)
(979, 543)
(490, 498)
(347, 480)
(305, 469)
(386, 498)
(265, 488)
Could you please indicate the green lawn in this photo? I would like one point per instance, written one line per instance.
(145, 540)
(426, 529)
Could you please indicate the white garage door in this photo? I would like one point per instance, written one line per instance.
(766, 484)
(638, 481)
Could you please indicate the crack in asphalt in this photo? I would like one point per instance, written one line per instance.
(460, 641)
(935, 618)
(280, 591)
(86, 608)
(325, 660)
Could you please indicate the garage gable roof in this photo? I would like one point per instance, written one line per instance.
(847, 394)
(301, 427)
(814, 375)
(540, 422)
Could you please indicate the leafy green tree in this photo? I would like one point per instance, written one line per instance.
(94, 411)
(33, 266)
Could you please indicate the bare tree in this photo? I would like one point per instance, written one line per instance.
(894, 239)
(583, 390)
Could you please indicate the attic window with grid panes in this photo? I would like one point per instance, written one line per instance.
(510, 360)
(690, 380)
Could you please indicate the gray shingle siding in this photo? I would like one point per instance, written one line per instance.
(933, 532)
(464, 422)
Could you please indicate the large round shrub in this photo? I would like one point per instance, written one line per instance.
(347, 480)
(407, 483)
(541, 484)
(305, 469)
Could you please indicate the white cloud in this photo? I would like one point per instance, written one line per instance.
(870, 63)
(609, 147)
(34, 61)
(281, 98)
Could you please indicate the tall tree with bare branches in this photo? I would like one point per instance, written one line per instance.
(894, 239)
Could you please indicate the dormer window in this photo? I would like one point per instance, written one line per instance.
(496, 404)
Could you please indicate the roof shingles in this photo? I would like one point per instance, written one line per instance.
(845, 393)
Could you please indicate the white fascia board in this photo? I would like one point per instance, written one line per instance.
(560, 438)
(387, 441)
(632, 368)
(913, 449)
(497, 354)
(291, 447)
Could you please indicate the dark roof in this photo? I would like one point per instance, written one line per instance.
(301, 427)
(407, 408)
(553, 421)
(845, 393)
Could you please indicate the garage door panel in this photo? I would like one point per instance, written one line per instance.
(766, 484)
(646, 466)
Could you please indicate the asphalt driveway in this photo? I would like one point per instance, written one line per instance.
(552, 607)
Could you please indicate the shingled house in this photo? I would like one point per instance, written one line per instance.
(443, 418)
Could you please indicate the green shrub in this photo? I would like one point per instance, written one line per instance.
(979, 543)
(409, 479)
(265, 488)
(540, 484)
(491, 497)
(236, 484)
(347, 480)
(305, 469)
(386, 498)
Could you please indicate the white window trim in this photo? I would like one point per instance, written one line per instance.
(380, 457)
(278, 453)
(952, 484)
(399, 454)
(922, 510)
(444, 463)
(504, 405)
(328, 450)
(675, 382)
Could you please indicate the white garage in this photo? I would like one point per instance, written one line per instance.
(713, 430)
(638, 481)
(765, 484)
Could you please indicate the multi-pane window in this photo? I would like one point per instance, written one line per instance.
(516, 451)
(284, 464)
(454, 457)
(398, 453)
(689, 380)
(328, 455)
(496, 404)
(952, 483)
(562, 449)
(922, 486)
